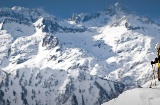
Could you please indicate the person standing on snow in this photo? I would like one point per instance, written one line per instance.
(157, 59)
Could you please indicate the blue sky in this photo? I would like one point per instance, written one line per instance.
(65, 8)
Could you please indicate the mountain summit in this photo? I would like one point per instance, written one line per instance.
(88, 59)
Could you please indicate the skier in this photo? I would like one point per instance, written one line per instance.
(157, 59)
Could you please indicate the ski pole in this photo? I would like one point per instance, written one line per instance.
(153, 76)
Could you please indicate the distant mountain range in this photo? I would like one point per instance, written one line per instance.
(88, 59)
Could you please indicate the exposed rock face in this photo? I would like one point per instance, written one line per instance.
(49, 42)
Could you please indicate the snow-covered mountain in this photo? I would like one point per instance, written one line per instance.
(85, 60)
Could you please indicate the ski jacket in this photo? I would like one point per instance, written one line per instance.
(157, 59)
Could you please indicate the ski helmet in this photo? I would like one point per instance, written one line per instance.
(157, 46)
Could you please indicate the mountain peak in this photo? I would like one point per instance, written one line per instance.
(120, 8)
(117, 4)
(117, 8)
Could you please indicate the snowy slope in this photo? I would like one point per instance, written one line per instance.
(87, 60)
(142, 96)
(139, 96)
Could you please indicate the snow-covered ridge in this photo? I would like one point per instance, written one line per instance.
(26, 16)
(24, 13)
(86, 60)
(116, 9)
